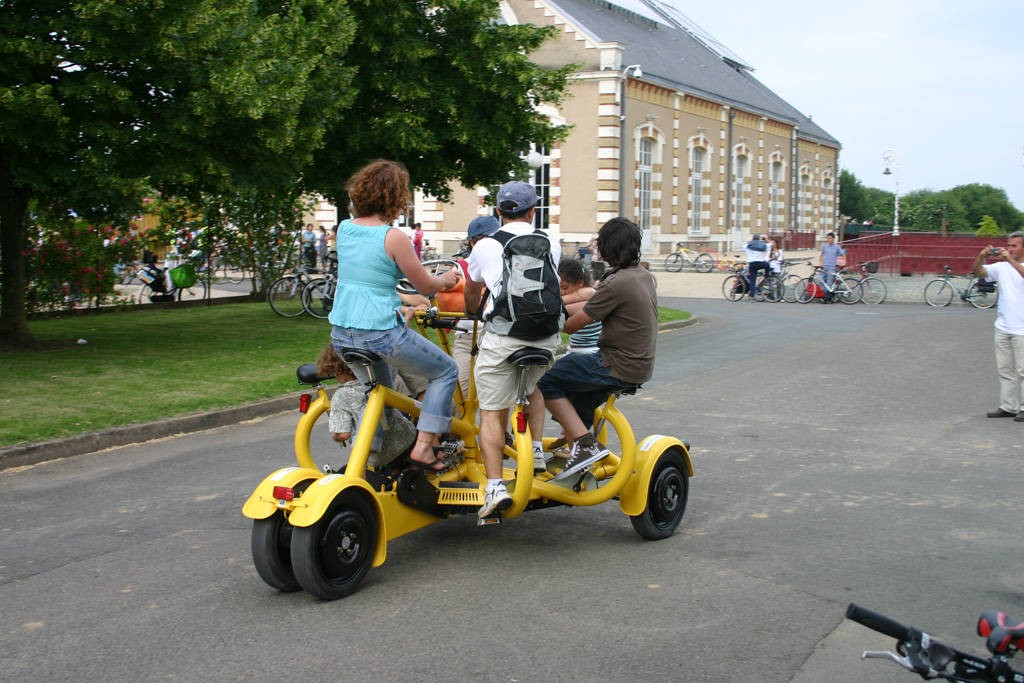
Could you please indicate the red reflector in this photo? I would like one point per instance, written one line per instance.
(520, 422)
(304, 402)
(284, 492)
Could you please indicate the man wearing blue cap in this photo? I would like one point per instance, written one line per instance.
(495, 377)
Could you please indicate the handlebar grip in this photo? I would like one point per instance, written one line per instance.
(877, 622)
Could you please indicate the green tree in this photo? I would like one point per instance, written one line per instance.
(100, 99)
(451, 92)
(852, 197)
(988, 227)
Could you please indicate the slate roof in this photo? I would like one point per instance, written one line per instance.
(682, 57)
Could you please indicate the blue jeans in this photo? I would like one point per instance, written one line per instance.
(411, 352)
(753, 269)
(584, 379)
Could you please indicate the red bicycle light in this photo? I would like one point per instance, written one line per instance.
(520, 422)
(284, 493)
(304, 402)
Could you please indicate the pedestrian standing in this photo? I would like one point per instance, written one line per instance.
(1008, 274)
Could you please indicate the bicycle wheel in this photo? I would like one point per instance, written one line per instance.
(938, 293)
(285, 296)
(980, 299)
(196, 292)
(228, 273)
(846, 291)
(734, 287)
(872, 291)
(805, 290)
(772, 288)
(674, 262)
(704, 263)
(318, 297)
(790, 283)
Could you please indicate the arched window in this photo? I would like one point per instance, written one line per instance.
(776, 195)
(698, 181)
(741, 179)
(804, 198)
(645, 174)
(542, 181)
(828, 201)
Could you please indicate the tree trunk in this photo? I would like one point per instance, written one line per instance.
(13, 214)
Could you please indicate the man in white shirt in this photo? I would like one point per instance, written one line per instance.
(495, 376)
(1008, 274)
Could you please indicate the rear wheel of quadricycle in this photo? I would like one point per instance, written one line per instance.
(734, 287)
(332, 557)
(938, 293)
(271, 544)
(979, 298)
(674, 262)
(704, 263)
(666, 498)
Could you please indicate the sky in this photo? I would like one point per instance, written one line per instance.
(940, 83)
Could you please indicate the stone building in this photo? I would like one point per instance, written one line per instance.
(669, 128)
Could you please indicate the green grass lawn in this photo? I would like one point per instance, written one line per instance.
(140, 366)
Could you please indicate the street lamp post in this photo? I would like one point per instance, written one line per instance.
(621, 101)
(892, 167)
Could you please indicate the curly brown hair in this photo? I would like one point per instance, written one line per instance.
(330, 364)
(381, 187)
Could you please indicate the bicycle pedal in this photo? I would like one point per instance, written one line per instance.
(488, 521)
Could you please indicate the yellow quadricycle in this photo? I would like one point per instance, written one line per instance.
(322, 531)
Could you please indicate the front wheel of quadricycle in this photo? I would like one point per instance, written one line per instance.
(271, 544)
(872, 291)
(666, 498)
(734, 288)
(332, 557)
(674, 262)
(980, 299)
(704, 263)
(938, 293)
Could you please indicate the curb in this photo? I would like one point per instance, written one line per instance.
(90, 442)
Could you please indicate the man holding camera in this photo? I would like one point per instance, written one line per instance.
(1008, 274)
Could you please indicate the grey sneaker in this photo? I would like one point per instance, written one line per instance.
(540, 461)
(496, 501)
(585, 451)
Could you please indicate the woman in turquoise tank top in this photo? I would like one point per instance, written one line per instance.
(372, 257)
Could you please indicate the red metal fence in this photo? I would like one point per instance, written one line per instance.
(917, 252)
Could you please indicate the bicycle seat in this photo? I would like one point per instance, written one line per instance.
(1000, 636)
(359, 357)
(531, 355)
(628, 391)
(307, 374)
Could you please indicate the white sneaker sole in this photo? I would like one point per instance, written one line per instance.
(495, 508)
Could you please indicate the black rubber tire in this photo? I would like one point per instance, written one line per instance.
(704, 263)
(981, 300)
(271, 543)
(674, 262)
(734, 288)
(848, 292)
(772, 289)
(938, 293)
(196, 292)
(667, 494)
(285, 297)
(318, 298)
(332, 556)
(789, 285)
(804, 291)
(873, 291)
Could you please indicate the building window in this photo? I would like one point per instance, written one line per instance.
(804, 196)
(741, 174)
(542, 181)
(697, 184)
(828, 200)
(775, 195)
(645, 173)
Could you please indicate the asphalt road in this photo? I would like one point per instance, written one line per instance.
(841, 454)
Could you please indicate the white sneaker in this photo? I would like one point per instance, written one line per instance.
(496, 501)
(540, 461)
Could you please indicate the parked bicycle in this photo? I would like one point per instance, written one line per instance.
(767, 288)
(318, 295)
(977, 292)
(180, 283)
(285, 294)
(815, 286)
(919, 653)
(702, 262)
(872, 290)
(789, 280)
(127, 273)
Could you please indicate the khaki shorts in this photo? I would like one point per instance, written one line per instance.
(496, 378)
